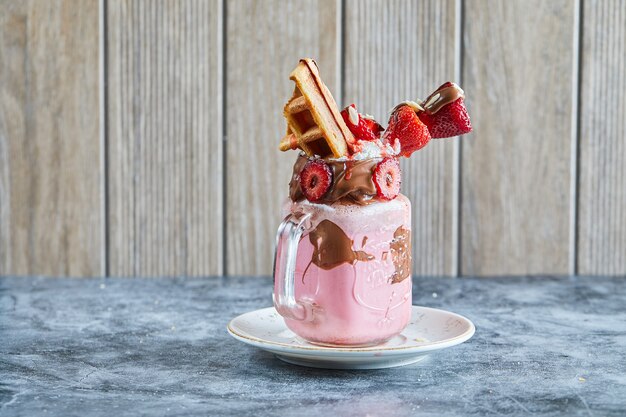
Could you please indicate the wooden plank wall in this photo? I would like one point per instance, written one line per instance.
(602, 199)
(139, 137)
(518, 63)
(51, 172)
(164, 137)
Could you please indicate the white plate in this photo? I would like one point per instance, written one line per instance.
(430, 329)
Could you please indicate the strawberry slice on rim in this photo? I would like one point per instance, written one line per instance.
(387, 179)
(315, 179)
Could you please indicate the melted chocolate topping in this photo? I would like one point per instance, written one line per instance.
(442, 97)
(352, 181)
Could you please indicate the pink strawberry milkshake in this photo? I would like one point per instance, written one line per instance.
(353, 261)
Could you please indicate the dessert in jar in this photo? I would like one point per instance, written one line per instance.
(342, 270)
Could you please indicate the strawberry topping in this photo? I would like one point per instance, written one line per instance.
(449, 120)
(387, 178)
(408, 129)
(315, 179)
(362, 127)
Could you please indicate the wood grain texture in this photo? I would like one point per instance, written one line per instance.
(398, 50)
(602, 192)
(265, 40)
(50, 170)
(165, 137)
(518, 69)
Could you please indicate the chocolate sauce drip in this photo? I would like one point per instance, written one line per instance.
(332, 247)
(352, 181)
(401, 254)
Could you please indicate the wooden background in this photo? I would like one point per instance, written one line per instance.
(140, 137)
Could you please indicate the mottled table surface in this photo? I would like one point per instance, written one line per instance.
(113, 347)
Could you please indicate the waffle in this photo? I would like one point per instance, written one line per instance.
(314, 123)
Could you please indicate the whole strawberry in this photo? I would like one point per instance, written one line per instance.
(448, 120)
(407, 129)
(362, 127)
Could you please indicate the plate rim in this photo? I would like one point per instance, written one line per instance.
(356, 351)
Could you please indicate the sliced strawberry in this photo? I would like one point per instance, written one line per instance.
(315, 179)
(408, 129)
(451, 119)
(387, 178)
(362, 127)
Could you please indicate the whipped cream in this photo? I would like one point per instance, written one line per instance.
(370, 150)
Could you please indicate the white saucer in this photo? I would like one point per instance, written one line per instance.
(430, 329)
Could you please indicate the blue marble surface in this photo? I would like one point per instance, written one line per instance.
(115, 347)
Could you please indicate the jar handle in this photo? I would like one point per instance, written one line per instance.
(287, 241)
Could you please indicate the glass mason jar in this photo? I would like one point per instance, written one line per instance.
(342, 270)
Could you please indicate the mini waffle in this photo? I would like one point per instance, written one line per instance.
(314, 123)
